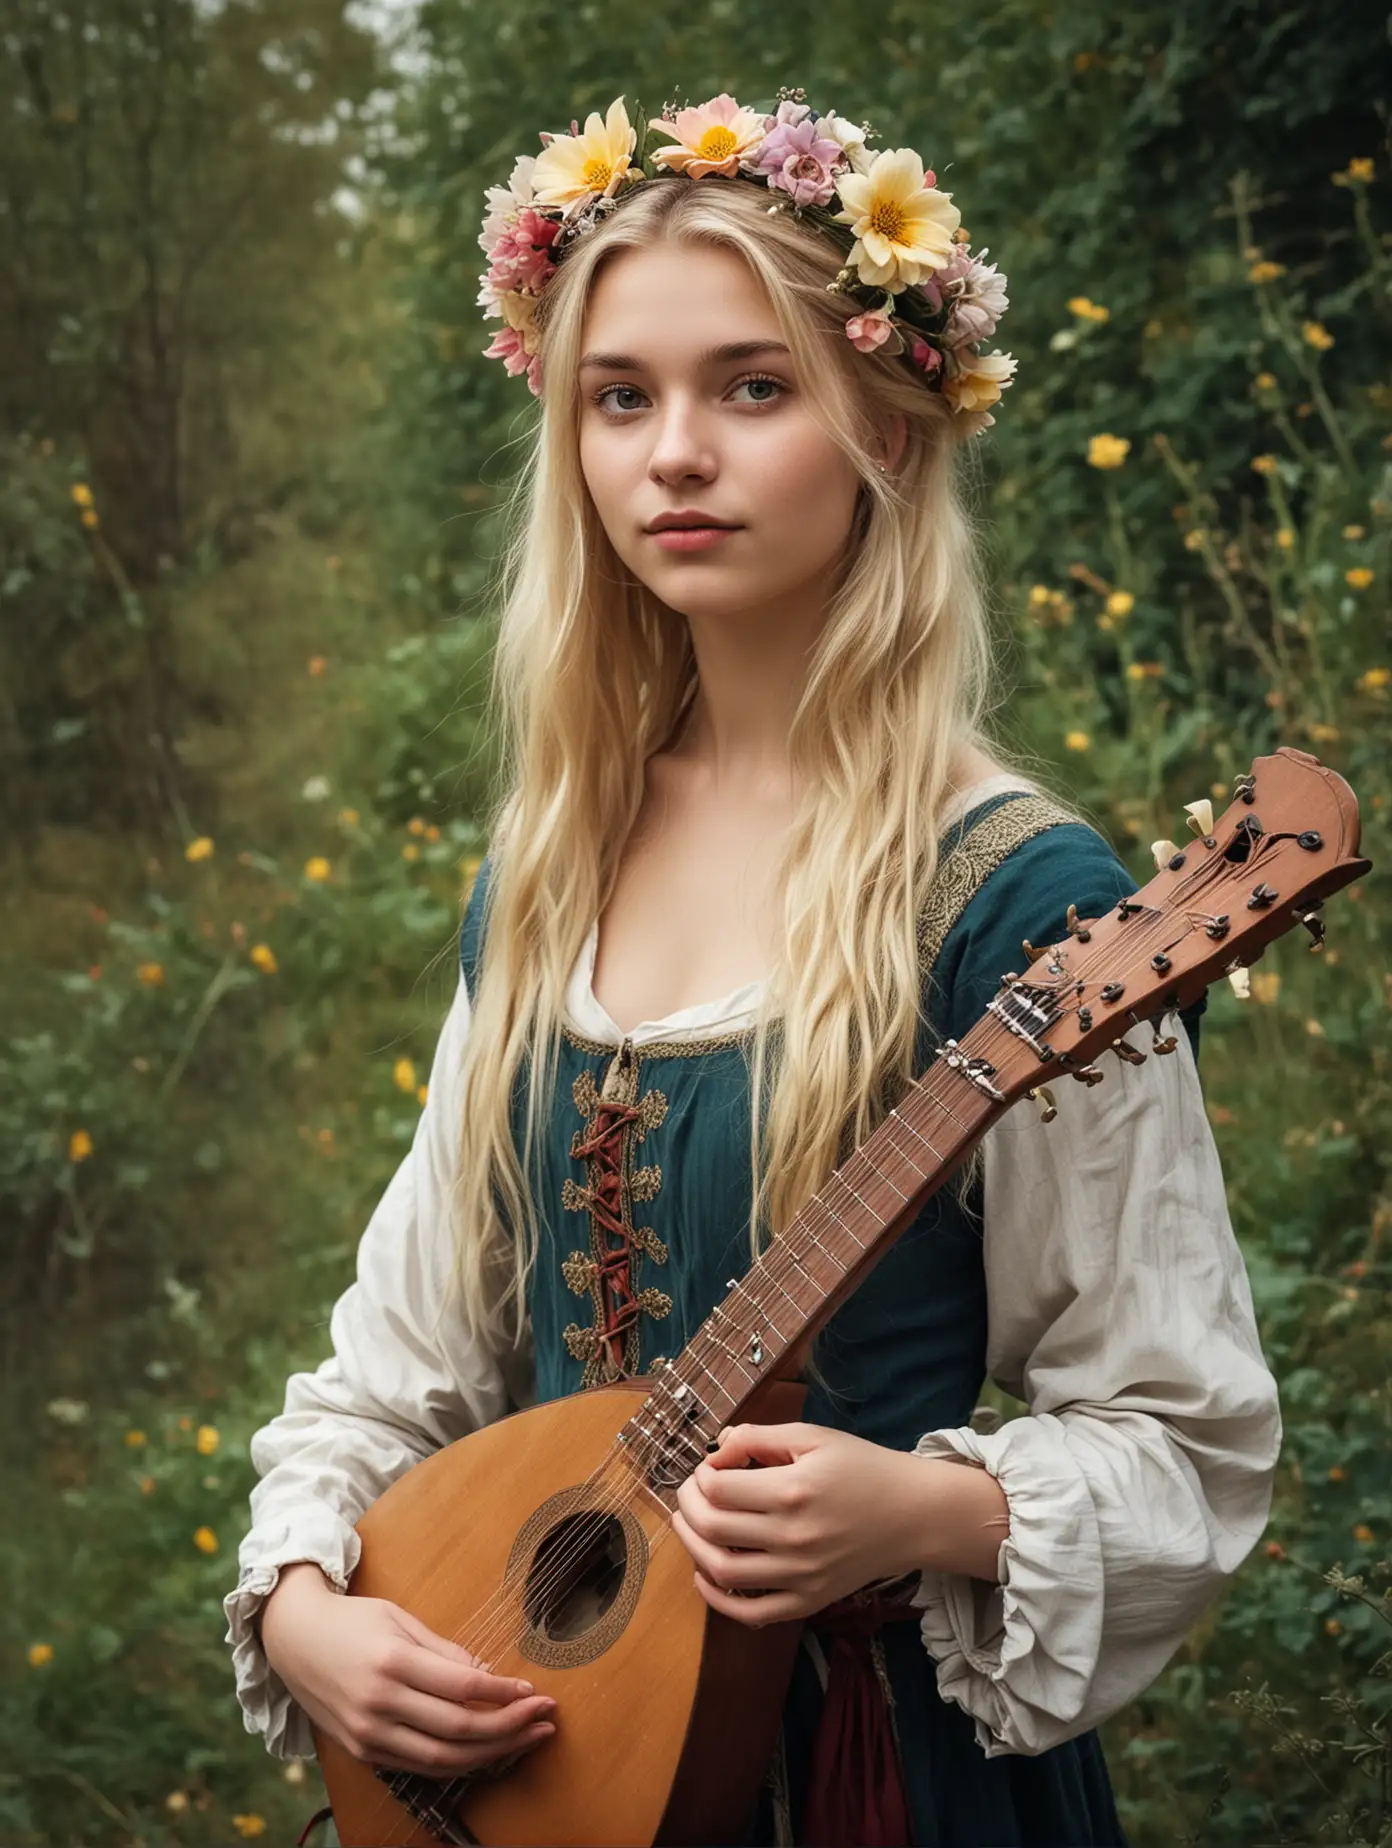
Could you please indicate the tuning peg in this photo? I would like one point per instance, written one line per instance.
(1030, 950)
(1089, 1074)
(1200, 815)
(1128, 1052)
(1075, 929)
(1241, 980)
(1162, 852)
(1162, 1044)
(1314, 923)
(1044, 1097)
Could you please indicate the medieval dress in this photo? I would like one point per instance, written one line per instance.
(1089, 1268)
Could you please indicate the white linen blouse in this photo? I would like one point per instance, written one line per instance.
(1119, 1311)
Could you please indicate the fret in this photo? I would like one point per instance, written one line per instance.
(881, 1175)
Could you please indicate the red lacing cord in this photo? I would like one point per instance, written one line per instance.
(604, 1145)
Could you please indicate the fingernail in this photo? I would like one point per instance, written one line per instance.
(526, 1687)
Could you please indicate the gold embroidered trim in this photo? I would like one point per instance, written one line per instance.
(663, 1049)
(965, 868)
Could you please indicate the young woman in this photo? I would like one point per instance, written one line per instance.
(755, 843)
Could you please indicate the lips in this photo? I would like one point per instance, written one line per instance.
(670, 522)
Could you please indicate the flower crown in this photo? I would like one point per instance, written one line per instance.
(918, 288)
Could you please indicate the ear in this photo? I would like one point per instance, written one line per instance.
(895, 437)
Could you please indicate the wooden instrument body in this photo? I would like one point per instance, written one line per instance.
(663, 1735)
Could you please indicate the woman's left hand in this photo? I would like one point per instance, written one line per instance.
(824, 1514)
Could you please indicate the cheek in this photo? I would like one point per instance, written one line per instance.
(806, 482)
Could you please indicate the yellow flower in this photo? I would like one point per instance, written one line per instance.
(82, 494)
(432, 833)
(1317, 335)
(264, 958)
(79, 1145)
(1077, 741)
(410, 851)
(349, 817)
(1374, 680)
(134, 1439)
(1193, 541)
(1266, 986)
(978, 380)
(150, 973)
(1144, 670)
(1265, 272)
(415, 825)
(318, 869)
(316, 665)
(470, 864)
(1107, 451)
(1265, 381)
(1364, 1533)
(90, 517)
(1088, 310)
(1360, 168)
(1322, 733)
(1337, 1473)
(1039, 595)
(571, 167)
(201, 849)
(1314, 1029)
(1285, 538)
(176, 1802)
(147, 1484)
(207, 1440)
(404, 1075)
(1353, 532)
(1360, 577)
(205, 1540)
(1264, 465)
(422, 1092)
(902, 228)
(249, 1825)
(40, 1655)
(1333, 1627)
(1120, 603)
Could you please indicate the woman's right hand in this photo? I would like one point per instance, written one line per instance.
(386, 1688)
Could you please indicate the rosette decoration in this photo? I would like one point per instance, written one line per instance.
(917, 287)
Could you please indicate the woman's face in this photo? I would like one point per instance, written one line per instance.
(672, 424)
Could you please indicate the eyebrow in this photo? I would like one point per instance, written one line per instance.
(732, 349)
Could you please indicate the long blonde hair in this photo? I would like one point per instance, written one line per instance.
(587, 656)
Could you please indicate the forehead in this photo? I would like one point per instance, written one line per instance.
(675, 299)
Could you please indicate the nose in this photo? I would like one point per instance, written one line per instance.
(682, 447)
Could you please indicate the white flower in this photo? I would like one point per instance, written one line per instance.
(849, 136)
(68, 1411)
(316, 789)
(505, 202)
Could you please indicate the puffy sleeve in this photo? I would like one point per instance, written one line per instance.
(1119, 1311)
(390, 1393)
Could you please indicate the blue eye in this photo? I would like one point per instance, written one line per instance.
(603, 396)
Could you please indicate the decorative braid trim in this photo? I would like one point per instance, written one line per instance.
(965, 868)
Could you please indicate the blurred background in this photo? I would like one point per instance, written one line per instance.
(250, 459)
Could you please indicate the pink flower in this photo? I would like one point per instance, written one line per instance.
(798, 161)
(714, 138)
(867, 332)
(981, 301)
(938, 287)
(924, 355)
(518, 259)
(534, 375)
(790, 114)
(509, 346)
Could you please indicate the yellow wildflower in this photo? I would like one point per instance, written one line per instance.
(404, 1075)
(40, 1655)
(263, 956)
(1322, 733)
(903, 229)
(205, 1540)
(316, 665)
(594, 161)
(415, 825)
(134, 1439)
(1144, 670)
(1360, 577)
(1088, 310)
(150, 973)
(1375, 680)
(1264, 465)
(1266, 986)
(249, 1825)
(422, 1092)
(200, 849)
(1039, 596)
(410, 851)
(1317, 335)
(1193, 541)
(147, 1484)
(82, 494)
(1120, 603)
(207, 1440)
(1285, 538)
(349, 817)
(318, 869)
(176, 1802)
(1354, 532)
(1359, 168)
(432, 833)
(1107, 451)
(1077, 741)
(1265, 271)
(1337, 1473)
(1333, 1627)
(1314, 1028)
(1364, 1533)
(90, 518)
(1265, 381)
(79, 1145)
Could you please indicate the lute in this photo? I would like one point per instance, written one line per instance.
(543, 1542)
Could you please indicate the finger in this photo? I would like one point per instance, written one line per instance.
(753, 1443)
(752, 1532)
(481, 1684)
(761, 1491)
(450, 1722)
(771, 1607)
(753, 1570)
(402, 1749)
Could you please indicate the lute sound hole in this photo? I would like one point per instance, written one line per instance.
(576, 1576)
